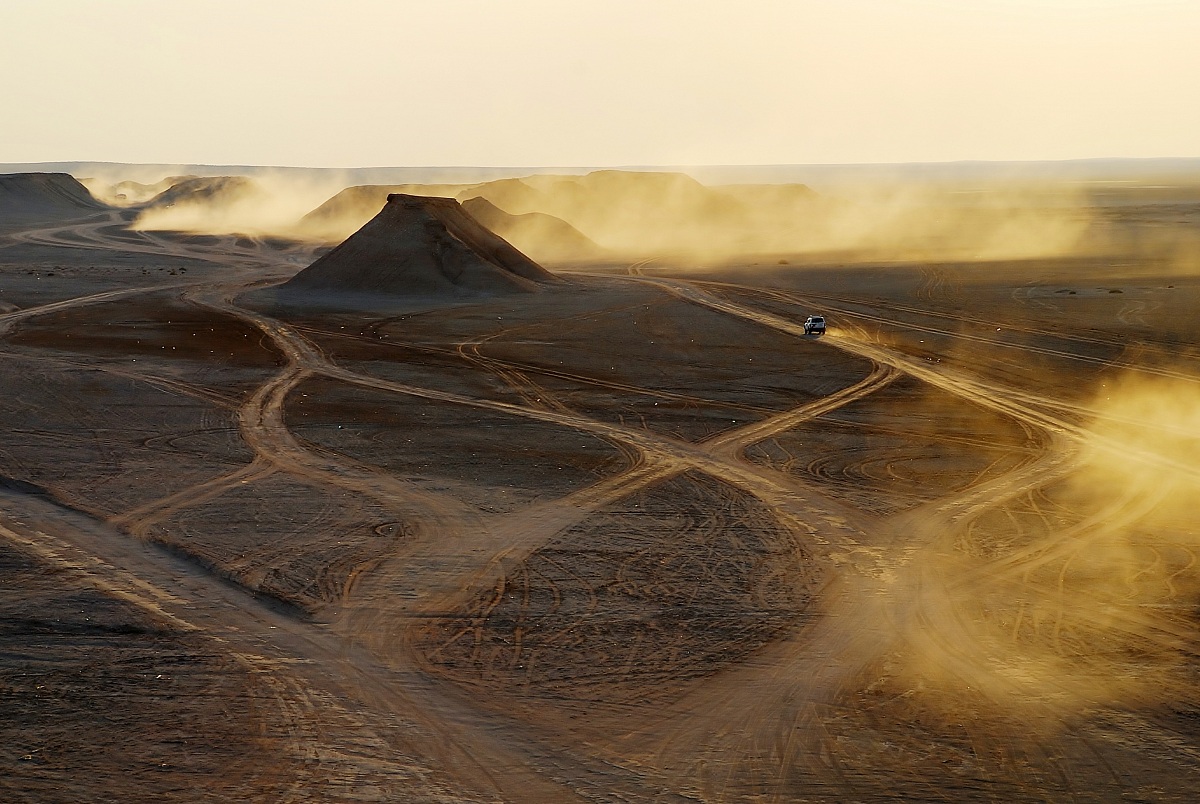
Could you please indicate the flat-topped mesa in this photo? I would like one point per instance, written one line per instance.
(423, 246)
(45, 196)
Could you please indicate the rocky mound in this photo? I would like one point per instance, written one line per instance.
(44, 197)
(422, 246)
(541, 236)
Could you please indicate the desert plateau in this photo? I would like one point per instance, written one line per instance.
(534, 488)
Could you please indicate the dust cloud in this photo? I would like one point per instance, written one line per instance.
(912, 222)
(267, 204)
(129, 185)
(1126, 575)
(1088, 604)
(617, 215)
(642, 215)
(668, 215)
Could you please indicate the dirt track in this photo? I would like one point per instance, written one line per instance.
(635, 538)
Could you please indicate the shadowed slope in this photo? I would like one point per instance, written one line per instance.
(44, 196)
(422, 246)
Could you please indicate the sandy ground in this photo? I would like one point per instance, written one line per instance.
(631, 538)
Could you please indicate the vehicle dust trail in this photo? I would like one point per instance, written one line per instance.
(987, 340)
(925, 608)
(955, 644)
(1020, 406)
(1011, 574)
(957, 317)
(759, 726)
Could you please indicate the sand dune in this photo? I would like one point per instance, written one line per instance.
(44, 196)
(422, 246)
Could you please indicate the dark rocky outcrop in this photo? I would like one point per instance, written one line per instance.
(32, 197)
(422, 246)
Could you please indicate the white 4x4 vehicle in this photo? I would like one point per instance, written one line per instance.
(814, 325)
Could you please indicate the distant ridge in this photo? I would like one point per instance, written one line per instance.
(44, 196)
(422, 246)
(817, 175)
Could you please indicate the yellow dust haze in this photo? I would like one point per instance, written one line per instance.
(1090, 602)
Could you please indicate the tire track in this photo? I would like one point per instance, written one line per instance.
(915, 606)
(386, 600)
(373, 703)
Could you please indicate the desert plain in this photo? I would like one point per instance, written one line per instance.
(592, 518)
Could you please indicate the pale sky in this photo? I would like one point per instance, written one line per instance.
(595, 83)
